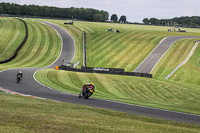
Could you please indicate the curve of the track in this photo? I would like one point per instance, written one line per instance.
(154, 57)
(31, 87)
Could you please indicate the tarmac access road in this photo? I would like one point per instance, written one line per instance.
(30, 86)
(155, 56)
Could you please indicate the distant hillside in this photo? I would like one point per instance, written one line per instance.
(86, 14)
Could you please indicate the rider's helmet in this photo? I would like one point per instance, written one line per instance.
(92, 85)
(20, 71)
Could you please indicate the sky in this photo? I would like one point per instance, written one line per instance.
(134, 10)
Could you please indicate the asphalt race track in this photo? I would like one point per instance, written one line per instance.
(31, 87)
(154, 57)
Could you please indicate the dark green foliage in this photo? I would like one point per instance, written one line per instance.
(146, 21)
(186, 21)
(114, 18)
(1, 10)
(86, 14)
(98, 18)
(122, 19)
(153, 21)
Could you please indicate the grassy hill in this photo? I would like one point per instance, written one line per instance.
(41, 49)
(188, 73)
(141, 91)
(127, 49)
(12, 33)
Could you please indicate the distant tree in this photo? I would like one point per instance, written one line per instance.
(153, 21)
(105, 14)
(114, 18)
(98, 18)
(145, 21)
(122, 19)
(1, 10)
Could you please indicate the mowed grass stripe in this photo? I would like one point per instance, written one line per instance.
(121, 59)
(43, 46)
(133, 90)
(23, 114)
(51, 49)
(33, 44)
(100, 40)
(45, 49)
(141, 52)
(11, 35)
(10, 48)
(37, 50)
(103, 50)
(41, 49)
(28, 47)
(6, 31)
(175, 55)
(110, 50)
(10, 31)
(189, 73)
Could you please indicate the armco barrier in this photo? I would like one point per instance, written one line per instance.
(20, 46)
(113, 71)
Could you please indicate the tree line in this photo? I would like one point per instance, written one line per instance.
(86, 14)
(114, 18)
(193, 22)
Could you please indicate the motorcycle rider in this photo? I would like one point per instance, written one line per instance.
(20, 74)
(85, 88)
(89, 85)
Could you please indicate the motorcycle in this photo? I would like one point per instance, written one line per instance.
(86, 92)
(19, 78)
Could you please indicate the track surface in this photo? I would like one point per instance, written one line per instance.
(30, 87)
(151, 61)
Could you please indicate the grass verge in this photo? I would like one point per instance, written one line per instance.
(188, 73)
(42, 47)
(12, 33)
(22, 114)
(148, 92)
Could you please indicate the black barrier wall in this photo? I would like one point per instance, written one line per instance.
(20, 46)
(84, 49)
(113, 71)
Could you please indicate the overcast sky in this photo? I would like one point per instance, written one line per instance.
(135, 10)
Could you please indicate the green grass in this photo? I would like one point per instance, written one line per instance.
(12, 33)
(174, 56)
(131, 46)
(22, 114)
(77, 35)
(41, 49)
(189, 73)
(126, 49)
(133, 90)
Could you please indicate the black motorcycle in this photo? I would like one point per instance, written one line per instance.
(86, 92)
(19, 78)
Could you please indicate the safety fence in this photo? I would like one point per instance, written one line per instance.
(20, 46)
(114, 71)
